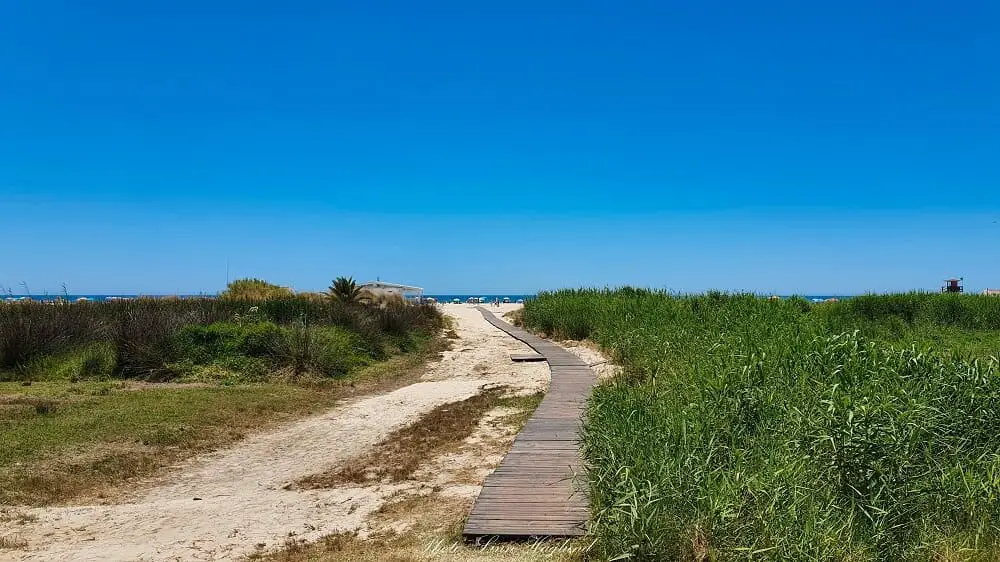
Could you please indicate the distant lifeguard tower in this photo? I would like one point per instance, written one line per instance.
(953, 286)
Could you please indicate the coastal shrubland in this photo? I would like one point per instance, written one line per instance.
(160, 339)
(94, 394)
(252, 289)
(746, 428)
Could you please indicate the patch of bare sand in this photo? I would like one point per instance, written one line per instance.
(476, 352)
(227, 504)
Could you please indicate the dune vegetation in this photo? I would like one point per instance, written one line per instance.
(249, 334)
(94, 394)
(747, 428)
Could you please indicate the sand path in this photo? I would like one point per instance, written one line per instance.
(226, 504)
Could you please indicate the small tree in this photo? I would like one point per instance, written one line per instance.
(345, 290)
(255, 289)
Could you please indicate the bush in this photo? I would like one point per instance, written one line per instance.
(202, 344)
(255, 290)
(141, 337)
(28, 330)
(92, 361)
(328, 351)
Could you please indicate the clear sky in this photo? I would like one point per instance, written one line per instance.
(810, 147)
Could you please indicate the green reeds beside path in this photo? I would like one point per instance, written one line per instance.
(748, 429)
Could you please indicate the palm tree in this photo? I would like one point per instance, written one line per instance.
(345, 290)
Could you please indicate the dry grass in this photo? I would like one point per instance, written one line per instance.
(396, 458)
(515, 317)
(63, 441)
(16, 516)
(15, 404)
(12, 543)
(433, 532)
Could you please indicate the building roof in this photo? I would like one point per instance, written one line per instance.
(384, 285)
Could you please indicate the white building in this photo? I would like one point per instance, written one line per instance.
(381, 288)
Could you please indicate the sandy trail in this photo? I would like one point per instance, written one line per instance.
(227, 504)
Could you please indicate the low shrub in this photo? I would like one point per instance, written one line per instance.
(255, 290)
(29, 330)
(81, 362)
(326, 350)
(203, 344)
(338, 352)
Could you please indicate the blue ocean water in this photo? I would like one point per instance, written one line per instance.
(73, 298)
(97, 298)
(440, 298)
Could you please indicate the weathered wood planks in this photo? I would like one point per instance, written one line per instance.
(538, 489)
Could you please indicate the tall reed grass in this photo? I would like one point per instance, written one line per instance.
(143, 331)
(747, 429)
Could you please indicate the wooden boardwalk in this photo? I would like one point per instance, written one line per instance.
(538, 490)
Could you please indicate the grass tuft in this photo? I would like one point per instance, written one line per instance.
(13, 543)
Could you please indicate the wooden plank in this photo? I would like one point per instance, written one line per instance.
(537, 526)
(493, 498)
(497, 502)
(526, 357)
(572, 517)
(512, 512)
(500, 503)
(526, 529)
(546, 463)
(567, 466)
(520, 478)
(531, 458)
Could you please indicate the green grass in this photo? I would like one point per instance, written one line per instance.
(86, 435)
(743, 428)
(62, 440)
(94, 361)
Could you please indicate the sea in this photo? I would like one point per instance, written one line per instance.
(487, 297)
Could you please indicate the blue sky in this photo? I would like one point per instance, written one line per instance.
(768, 146)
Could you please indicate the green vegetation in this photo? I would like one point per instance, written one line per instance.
(83, 400)
(254, 290)
(195, 339)
(743, 428)
(345, 290)
(60, 440)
